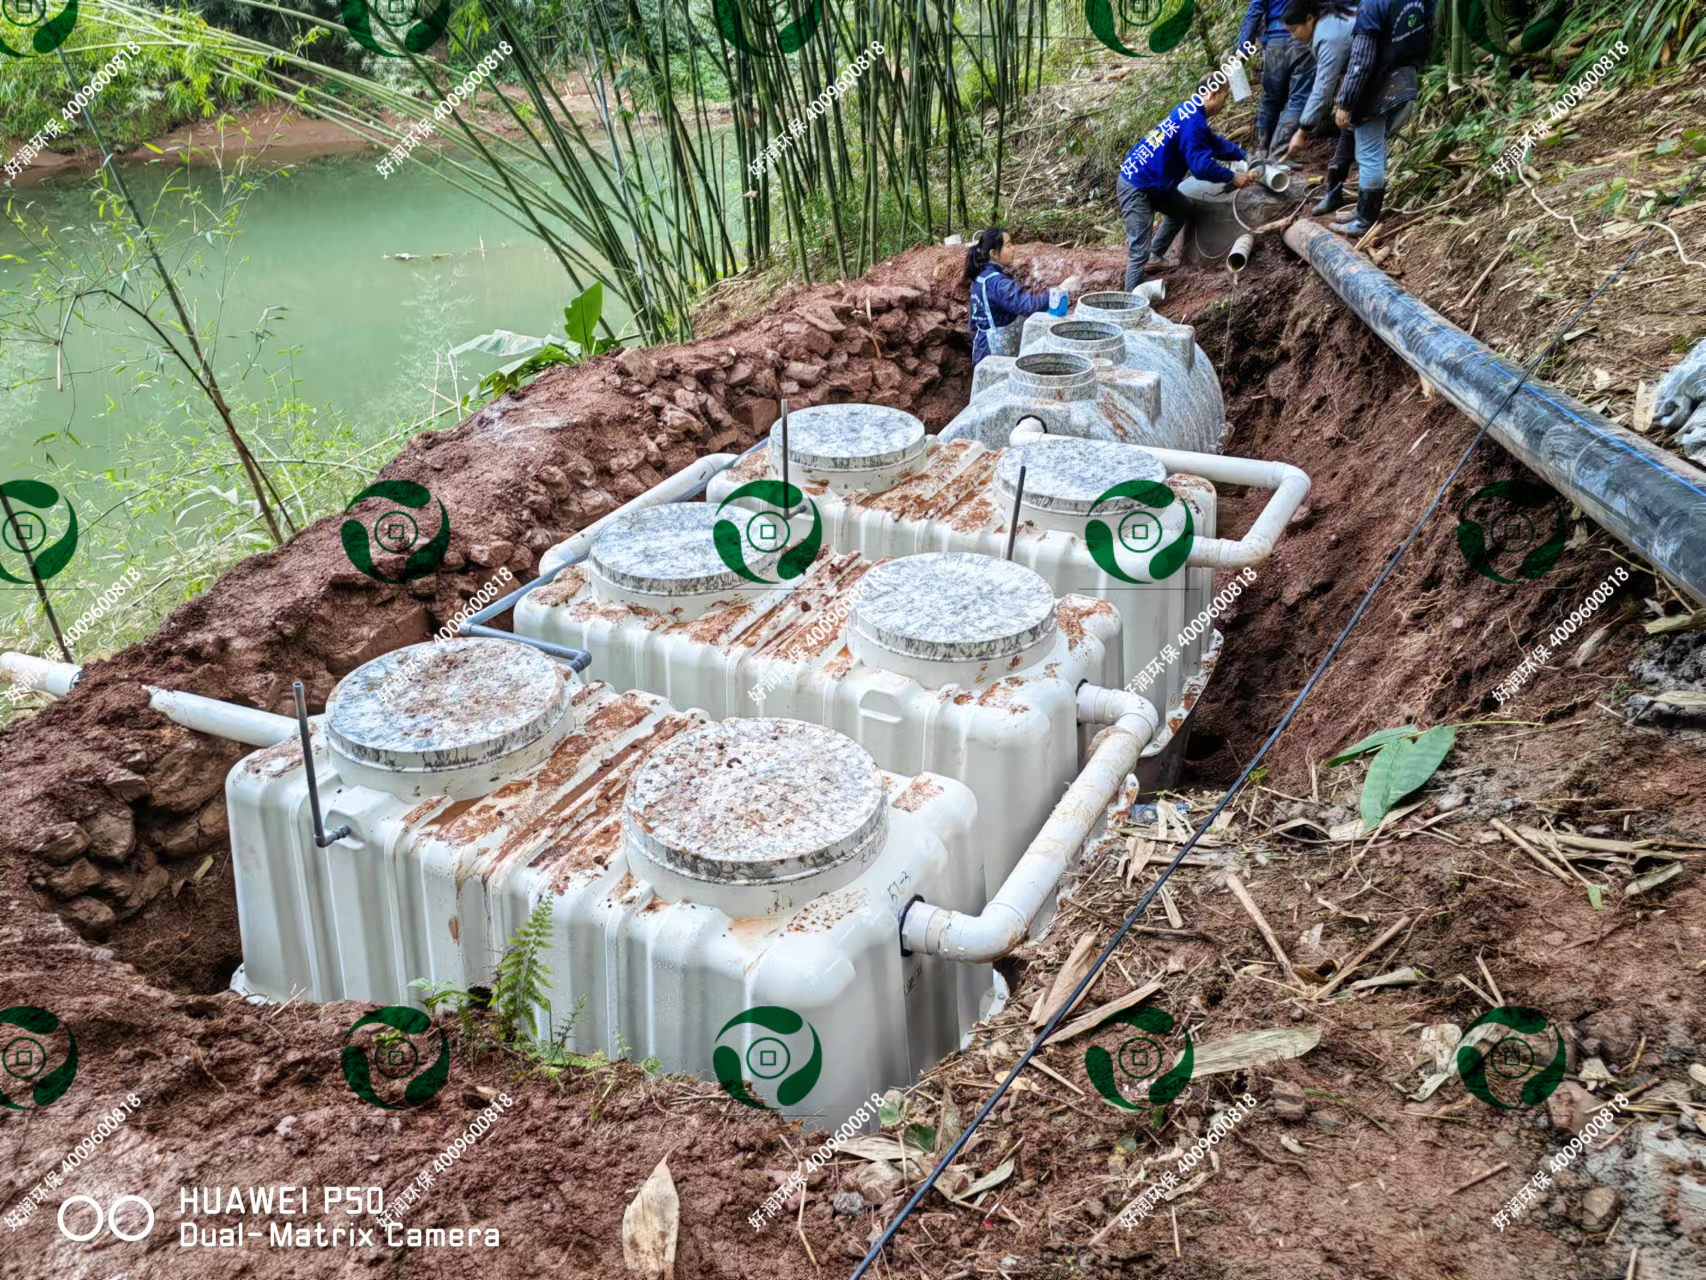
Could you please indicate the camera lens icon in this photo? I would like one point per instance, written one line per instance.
(1513, 1057)
(1513, 531)
(1140, 1057)
(24, 13)
(25, 531)
(1141, 531)
(768, 531)
(396, 1058)
(396, 531)
(24, 1058)
(768, 1058)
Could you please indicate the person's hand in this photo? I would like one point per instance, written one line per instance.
(1070, 284)
(1298, 140)
(1241, 180)
(1341, 117)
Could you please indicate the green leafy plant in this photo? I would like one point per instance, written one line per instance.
(523, 976)
(580, 323)
(1404, 759)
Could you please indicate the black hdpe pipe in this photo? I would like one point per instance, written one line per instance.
(1648, 499)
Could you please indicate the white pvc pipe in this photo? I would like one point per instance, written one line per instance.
(205, 715)
(222, 719)
(1290, 486)
(1097, 705)
(1238, 257)
(39, 673)
(684, 483)
(1004, 923)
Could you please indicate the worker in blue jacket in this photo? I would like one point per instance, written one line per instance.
(1152, 170)
(1377, 94)
(996, 300)
(1288, 73)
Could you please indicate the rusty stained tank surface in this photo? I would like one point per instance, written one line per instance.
(917, 793)
(563, 816)
(282, 757)
(1072, 613)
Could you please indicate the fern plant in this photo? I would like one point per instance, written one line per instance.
(523, 977)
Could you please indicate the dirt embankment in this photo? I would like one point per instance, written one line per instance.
(1335, 1176)
(113, 806)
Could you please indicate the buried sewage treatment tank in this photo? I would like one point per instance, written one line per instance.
(955, 664)
(880, 487)
(697, 870)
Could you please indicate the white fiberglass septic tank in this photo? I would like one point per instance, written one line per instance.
(955, 664)
(1112, 370)
(697, 871)
(880, 487)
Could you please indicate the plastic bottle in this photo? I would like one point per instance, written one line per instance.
(1057, 301)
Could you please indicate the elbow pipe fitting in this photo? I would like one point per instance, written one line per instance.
(1097, 705)
(1005, 922)
(1290, 487)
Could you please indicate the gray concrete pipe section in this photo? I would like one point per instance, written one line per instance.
(1652, 501)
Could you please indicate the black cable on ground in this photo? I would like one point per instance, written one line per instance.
(1285, 720)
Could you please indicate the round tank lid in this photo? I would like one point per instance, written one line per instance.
(671, 550)
(954, 606)
(848, 437)
(446, 704)
(1066, 477)
(757, 801)
(1128, 310)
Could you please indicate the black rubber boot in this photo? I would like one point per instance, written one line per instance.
(1335, 195)
(1369, 200)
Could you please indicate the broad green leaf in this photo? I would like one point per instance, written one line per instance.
(1596, 897)
(922, 1136)
(1377, 787)
(1379, 738)
(581, 316)
(1418, 760)
(1400, 768)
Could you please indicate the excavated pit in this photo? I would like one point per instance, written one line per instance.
(115, 822)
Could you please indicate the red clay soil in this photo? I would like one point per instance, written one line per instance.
(113, 812)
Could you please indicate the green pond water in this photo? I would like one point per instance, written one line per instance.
(357, 331)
